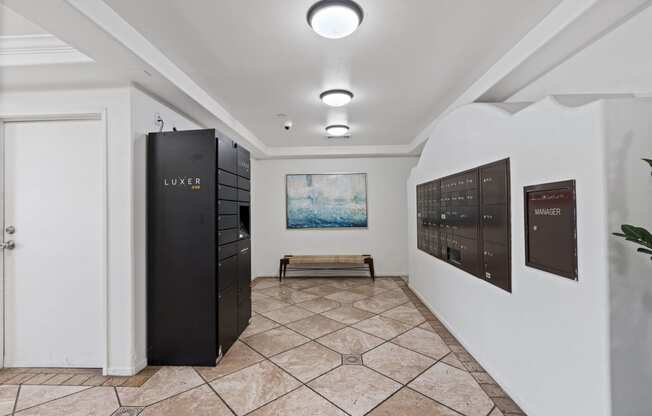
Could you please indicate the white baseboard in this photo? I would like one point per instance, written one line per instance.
(126, 371)
(491, 371)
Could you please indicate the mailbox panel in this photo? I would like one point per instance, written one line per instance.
(550, 224)
(451, 227)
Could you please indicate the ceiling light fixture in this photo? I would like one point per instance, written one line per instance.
(337, 130)
(336, 98)
(335, 19)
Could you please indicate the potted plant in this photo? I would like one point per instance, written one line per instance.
(638, 235)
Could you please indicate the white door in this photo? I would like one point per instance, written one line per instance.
(53, 200)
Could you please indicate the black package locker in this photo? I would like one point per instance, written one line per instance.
(194, 234)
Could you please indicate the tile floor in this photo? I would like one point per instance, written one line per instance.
(315, 347)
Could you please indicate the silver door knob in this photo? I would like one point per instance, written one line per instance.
(9, 245)
(10, 229)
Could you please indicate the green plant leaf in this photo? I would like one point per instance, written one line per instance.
(644, 250)
(649, 161)
(637, 234)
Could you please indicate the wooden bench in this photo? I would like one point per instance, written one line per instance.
(326, 262)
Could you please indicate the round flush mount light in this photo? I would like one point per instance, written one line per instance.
(337, 130)
(336, 98)
(335, 19)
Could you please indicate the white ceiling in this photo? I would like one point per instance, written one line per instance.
(258, 58)
(13, 24)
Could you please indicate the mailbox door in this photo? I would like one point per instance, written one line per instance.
(494, 183)
(496, 265)
(551, 243)
(495, 223)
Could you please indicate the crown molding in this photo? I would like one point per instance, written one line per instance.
(327, 152)
(45, 49)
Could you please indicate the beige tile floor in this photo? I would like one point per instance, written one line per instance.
(314, 347)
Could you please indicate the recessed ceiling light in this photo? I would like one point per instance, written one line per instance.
(335, 19)
(336, 98)
(337, 130)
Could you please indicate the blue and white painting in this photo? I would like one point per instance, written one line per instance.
(326, 201)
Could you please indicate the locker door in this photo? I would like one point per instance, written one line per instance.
(244, 285)
(227, 155)
(227, 304)
(243, 162)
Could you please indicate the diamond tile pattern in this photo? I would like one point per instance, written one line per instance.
(382, 327)
(308, 361)
(396, 362)
(275, 341)
(347, 314)
(254, 386)
(354, 388)
(406, 314)
(315, 326)
(288, 314)
(350, 341)
(454, 388)
(400, 360)
(410, 403)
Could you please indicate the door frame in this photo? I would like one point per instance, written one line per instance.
(104, 220)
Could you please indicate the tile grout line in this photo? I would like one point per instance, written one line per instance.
(117, 396)
(13, 411)
(301, 384)
(207, 383)
(52, 400)
(439, 403)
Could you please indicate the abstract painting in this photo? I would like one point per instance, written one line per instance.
(326, 201)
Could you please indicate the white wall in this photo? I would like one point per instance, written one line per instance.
(630, 202)
(385, 239)
(144, 110)
(130, 115)
(547, 343)
(618, 63)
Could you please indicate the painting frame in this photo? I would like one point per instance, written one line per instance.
(326, 228)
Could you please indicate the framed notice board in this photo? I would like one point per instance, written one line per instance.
(551, 228)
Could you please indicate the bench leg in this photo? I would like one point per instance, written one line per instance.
(280, 270)
(370, 263)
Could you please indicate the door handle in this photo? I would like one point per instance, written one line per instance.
(9, 245)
